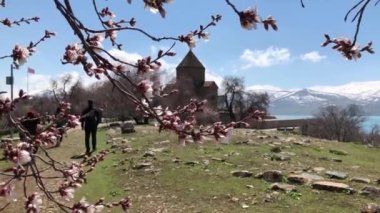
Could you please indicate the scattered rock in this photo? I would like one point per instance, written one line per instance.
(244, 206)
(262, 137)
(371, 208)
(242, 142)
(176, 160)
(252, 143)
(205, 161)
(271, 197)
(283, 187)
(149, 154)
(276, 149)
(158, 150)
(250, 186)
(338, 152)
(324, 158)
(271, 176)
(360, 180)
(217, 159)
(113, 132)
(337, 160)
(234, 199)
(336, 175)
(332, 186)
(355, 167)
(127, 150)
(299, 143)
(163, 142)
(128, 127)
(153, 171)
(117, 139)
(304, 178)
(114, 125)
(307, 141)
(191, 163)
(242, 173)
(318, 169)
(288, 153)
(280, 157)
(142, 165)
(290, 140)
(371, 191)
(378, 181)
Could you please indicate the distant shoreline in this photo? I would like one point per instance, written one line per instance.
(370, 121)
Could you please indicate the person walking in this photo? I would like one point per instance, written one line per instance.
(30, 122)
(90, 118)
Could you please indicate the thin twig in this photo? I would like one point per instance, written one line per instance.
(302, 4)
(352, 9)
(4, 207)
(25, 179)
(233, 7)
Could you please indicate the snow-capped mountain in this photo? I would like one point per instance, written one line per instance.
(364, 91)
(308, 101)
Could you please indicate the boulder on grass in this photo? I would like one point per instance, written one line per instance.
(128, 127)
(114, 125)
(304, 178)
(271, 176)
(333, 187)
(371, 191)
(242, 173)
(371, 208)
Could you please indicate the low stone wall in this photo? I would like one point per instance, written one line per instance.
(275, 123)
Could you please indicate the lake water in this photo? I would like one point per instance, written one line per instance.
(367, 125)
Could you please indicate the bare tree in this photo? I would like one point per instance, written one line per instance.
(253, 101)
(373, 137)
(61, 86)
(337, 123)
(233, 90)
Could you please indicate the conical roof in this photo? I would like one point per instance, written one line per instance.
(190, 60)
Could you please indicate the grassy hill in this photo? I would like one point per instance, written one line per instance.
(160, 176)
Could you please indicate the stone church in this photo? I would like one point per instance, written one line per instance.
(191, 83)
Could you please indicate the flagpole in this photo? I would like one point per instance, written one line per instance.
(27, 81)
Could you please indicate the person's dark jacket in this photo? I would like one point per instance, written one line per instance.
(30, 124)
(90, 118)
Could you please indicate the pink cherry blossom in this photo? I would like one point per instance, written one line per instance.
(20, 55)
(24, 157)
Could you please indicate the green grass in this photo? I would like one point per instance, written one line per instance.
(104, 180)
(209, 186)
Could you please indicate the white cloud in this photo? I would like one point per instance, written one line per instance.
(212, 76)
(40, 83)
(167, 70)
(265, 58)
(125, 56)
(313, 56)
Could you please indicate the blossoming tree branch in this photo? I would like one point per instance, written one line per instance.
(31, 158)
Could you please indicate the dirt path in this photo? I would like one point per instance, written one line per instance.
(71, 146)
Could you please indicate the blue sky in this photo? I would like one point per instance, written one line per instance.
(289, 58)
